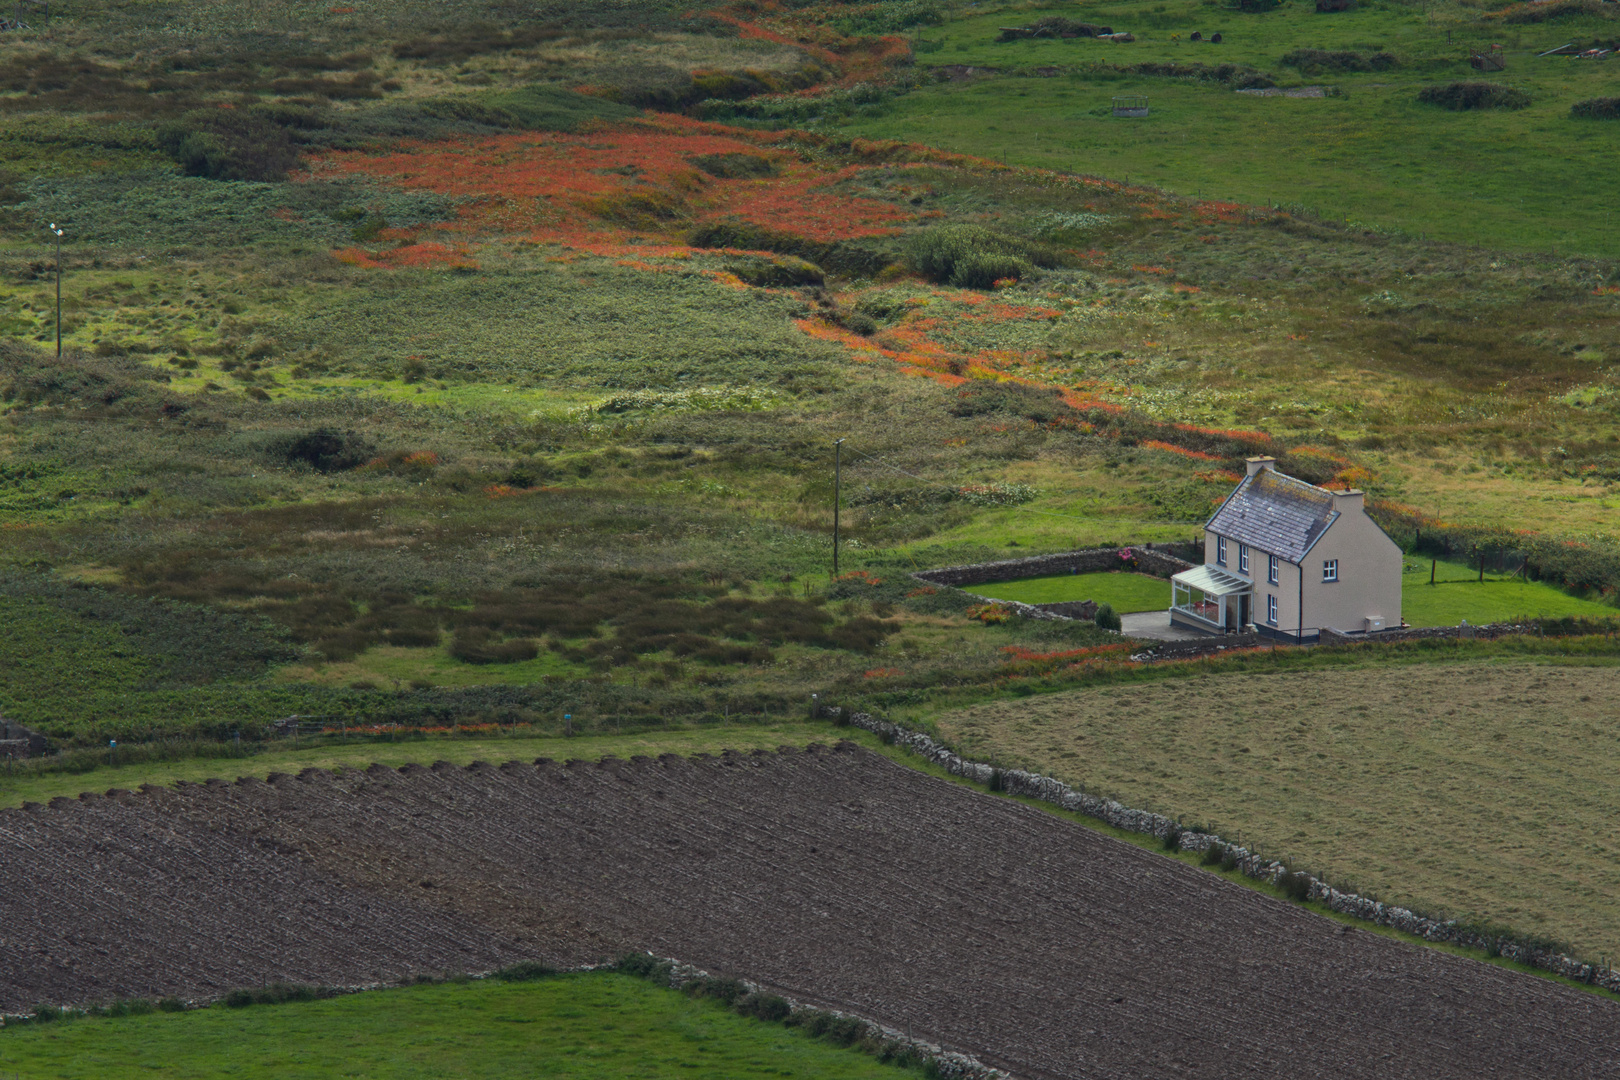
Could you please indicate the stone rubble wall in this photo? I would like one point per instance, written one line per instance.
(1057, 793)
(1148, 557)
(949, 1063)
(1487, 632)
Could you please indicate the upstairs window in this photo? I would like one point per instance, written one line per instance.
(1243, 558)
(1272, 572)
(1330, 569)
(1271, 609)
(1220, 550)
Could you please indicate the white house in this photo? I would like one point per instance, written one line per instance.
(1290, 558)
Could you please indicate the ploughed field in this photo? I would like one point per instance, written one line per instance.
(836, 876)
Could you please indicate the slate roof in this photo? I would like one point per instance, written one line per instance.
(1275, 514)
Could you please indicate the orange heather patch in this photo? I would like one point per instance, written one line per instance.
(410, 257)
(1198, 455)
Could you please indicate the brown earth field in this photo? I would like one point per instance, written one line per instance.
(836, 876)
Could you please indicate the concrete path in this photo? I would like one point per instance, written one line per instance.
(1157, 624)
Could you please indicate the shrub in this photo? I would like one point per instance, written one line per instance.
(479, 645)
(1312, 61)
(767, 1007)
(526, 971)
(228, 144)
(970, 256)
(1461, 96)
(324, 450)
(1604, 108)
(1296, 885)
(171, 1005)
(998, 780)
(1212, 855)
(1172, 838)
(1229, 857)
(643, 966)
(784, 271)
(726, 990)
(1107, 618)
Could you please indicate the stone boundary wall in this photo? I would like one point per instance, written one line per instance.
(1186, 650)
(949, 1063)
(1487, 632)
(1057, 793)
(1149, 558)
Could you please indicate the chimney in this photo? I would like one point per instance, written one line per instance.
(1258, 463)
(1350, 499)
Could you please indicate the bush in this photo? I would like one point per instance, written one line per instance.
(1603, 108)
(1312, 61)
(1107, 618)
(784, 271)
(643, 966)
(171, 1005)
(1295, 885)
(998, 780)
(1212, 855)
(479, 645)
(526, 971)
(324, 450)
(726, 990)
(767, 1007)
(1461, 96)
(973, 257)
(1172, 838)
(228, 144)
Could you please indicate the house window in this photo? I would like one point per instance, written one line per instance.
(1272, 573)
(1330, 569)
(1220, 550)
(1271, 608)
(1243, 558)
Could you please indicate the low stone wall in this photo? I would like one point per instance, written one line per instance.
(1071, 609)
(1186, 650)
(1487, 632)
(1057, 793)
(1148, 558)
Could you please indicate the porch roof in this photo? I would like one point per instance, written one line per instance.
(1211, 581)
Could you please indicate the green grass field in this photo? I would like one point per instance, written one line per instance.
(594, 1026)
(1459, 594)
(1127, 592)
(1375, 154)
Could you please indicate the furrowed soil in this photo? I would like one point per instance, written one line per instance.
(1480, 790)
(836, 876)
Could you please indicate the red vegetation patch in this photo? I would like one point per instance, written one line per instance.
(410, 257)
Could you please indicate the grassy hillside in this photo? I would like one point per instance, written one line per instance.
(596, 1026)
(1372, 153)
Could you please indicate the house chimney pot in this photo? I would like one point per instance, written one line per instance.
(1258, 463)
(1349, 499)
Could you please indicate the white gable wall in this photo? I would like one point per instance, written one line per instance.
(1369, 573)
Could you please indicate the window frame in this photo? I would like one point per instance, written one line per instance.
(1243, 558)
(1330, 571)
(1220, 550)
(1271, 609)
(1273, 570)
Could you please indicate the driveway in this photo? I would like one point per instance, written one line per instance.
(1157, 624)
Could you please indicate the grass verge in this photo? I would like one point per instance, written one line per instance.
(586, 1026)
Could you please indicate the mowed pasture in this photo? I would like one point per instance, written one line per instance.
(1481, 790)
(596, 1026)
(837, 877)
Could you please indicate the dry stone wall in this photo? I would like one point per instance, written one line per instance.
(1252, 864)
(1148, 558)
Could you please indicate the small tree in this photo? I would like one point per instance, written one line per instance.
(1107, 618)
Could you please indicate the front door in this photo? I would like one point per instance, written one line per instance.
(1238, 614)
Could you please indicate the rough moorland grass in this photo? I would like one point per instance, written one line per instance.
(1125, 591)
(17, 789)
(1477, 789)
(594, 1026)
(1376, 154)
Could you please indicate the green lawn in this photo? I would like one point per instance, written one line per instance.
(1447, 603)
(1375, 154)
(580, 1027)
(1127, 592)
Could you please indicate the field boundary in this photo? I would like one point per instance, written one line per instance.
(1154, 559)
(1300, 884)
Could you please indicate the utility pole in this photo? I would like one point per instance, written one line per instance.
(838, 473)
(57, 235)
